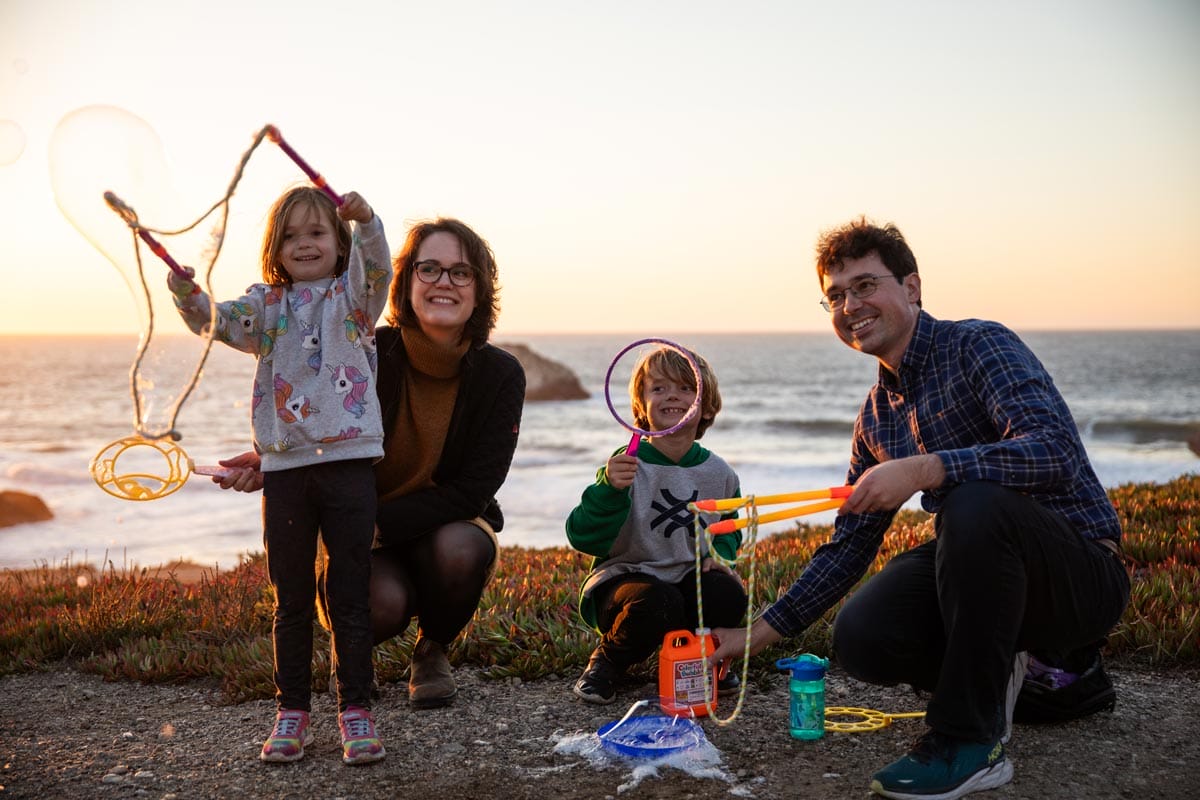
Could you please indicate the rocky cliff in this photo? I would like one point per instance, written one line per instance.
(545, 378)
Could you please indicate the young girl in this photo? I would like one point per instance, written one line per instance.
(634, 520)
(311, 324)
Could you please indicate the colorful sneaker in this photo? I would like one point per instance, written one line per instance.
(940, 767)
(1012, 690)
(288, 738)
(360, 744)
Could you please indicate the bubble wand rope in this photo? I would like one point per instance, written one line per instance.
(751, 523)
(103, 466)
(145, 233)
(751, 545)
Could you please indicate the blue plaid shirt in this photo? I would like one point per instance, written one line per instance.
(973, 393)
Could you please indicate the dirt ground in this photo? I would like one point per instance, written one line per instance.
(67, 734)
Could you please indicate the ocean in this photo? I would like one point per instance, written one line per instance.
(789, 404)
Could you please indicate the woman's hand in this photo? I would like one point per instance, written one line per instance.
(242, 473)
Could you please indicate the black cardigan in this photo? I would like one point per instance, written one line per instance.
(479, 443)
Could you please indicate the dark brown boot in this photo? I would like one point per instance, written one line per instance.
(430, 682)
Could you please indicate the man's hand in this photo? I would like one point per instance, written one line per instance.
(887, 486)
(732, 641)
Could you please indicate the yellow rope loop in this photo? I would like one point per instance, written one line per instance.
(750, 554)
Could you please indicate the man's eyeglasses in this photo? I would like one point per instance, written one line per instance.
(432, 271)
(861, 287)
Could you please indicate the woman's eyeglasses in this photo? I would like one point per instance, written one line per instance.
(432, 271)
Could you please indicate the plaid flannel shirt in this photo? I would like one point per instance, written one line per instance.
(974, 394)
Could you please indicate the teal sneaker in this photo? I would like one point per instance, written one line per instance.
(940, 767)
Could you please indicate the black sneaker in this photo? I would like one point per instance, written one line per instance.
(1054, 695)
(730, 683)
(597, 684)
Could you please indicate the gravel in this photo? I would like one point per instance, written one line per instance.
(68, 734)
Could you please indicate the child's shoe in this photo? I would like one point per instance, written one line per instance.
(597, 684)
(288, 738)
(360, 744)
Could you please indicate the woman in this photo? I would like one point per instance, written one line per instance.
(451, 406)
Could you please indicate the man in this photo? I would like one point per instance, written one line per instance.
(1026, 556)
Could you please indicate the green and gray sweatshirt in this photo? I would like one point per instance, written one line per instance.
(648, 527)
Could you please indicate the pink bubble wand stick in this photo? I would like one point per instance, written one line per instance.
(314, 176)
(130, 216)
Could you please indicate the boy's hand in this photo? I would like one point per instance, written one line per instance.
(620, 470)
(354, 208)
(710, 563)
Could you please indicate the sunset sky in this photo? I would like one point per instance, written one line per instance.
(637, 166)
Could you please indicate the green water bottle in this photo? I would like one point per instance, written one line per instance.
(806, 694)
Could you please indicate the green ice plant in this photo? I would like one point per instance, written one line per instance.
(146, 625)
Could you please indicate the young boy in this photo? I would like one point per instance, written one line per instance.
(635, 521)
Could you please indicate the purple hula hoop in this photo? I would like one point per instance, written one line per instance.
(638, 432)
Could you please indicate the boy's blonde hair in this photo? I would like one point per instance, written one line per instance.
(317, 202)
(669, 363)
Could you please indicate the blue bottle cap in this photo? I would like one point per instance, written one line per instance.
(805, 667)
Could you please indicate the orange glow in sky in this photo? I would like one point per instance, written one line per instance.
(639, 167)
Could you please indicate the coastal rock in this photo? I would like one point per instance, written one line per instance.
(545, 378)
(17, 508)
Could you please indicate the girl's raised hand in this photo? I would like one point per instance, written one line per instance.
(354, 208)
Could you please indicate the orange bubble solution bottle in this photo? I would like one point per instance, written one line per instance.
(681, 673)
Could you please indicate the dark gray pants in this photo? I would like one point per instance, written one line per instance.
(1003, 575)
(336, 501)
(635, 611)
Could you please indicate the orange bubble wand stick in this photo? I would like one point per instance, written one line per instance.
(831, 498)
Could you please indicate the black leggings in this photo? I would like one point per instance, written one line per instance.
(333, 502)
(635, 611)
(1003, 575)
(437, 578)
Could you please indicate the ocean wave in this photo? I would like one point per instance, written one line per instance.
(1141, 431)
(838, 428)
(42, 474)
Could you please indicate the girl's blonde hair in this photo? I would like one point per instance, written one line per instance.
(317, 202)
(669, 363)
